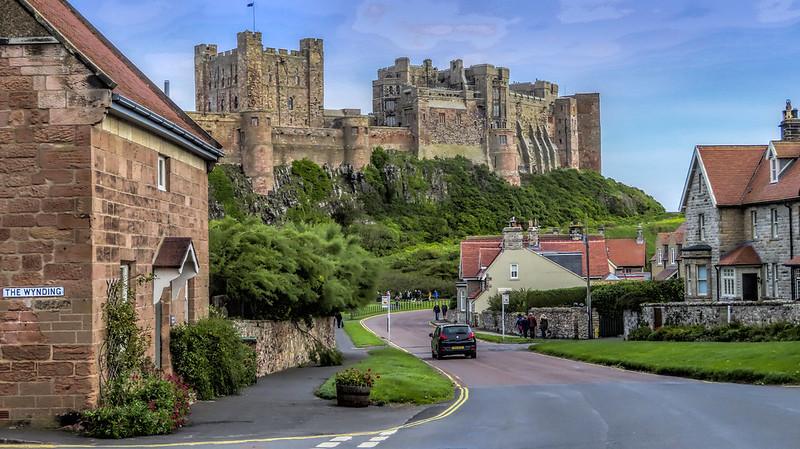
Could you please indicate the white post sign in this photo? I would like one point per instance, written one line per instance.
(505, 296)
(386, 303)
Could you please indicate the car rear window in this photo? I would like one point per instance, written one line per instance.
(452, 331)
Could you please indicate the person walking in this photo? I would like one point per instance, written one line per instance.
(444, 311)
(518, 324)
(339, 319)
(532, 325)
(525, 326)
(436, 311)
(543, 326)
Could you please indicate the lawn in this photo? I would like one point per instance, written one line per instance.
(499, 338)
(403, 379)
(360, 336)
(761, 363)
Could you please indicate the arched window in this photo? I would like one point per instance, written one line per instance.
(291, 103)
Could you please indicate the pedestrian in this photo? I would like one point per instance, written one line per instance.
(436, 311)
(444, 311)
(524, 323)
(518, 324)
(339, 319)
(543, 326)
(532, 325)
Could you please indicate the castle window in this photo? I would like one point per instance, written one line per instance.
(296, 80)
(236, 103)
(222, 105)
(502, 139)
(441, 118)
(391, 121)
(496, 109)
(291, 103)
(458, 118)
(253, 121)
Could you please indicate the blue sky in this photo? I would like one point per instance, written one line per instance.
(672, 74)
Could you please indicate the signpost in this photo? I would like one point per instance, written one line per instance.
(505, 295)
(386, 303)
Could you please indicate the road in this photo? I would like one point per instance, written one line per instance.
(519, 399)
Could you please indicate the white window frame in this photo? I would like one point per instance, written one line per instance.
(673, 256)
(659, 257)
(462, 303)
(753, 224)
(774, 170)
(728, 282)
(774, 279)
(689, 280)
(124, 279)
(161, 173)
(701, 222)
(514, 271)
(773, 223)
(702, 280)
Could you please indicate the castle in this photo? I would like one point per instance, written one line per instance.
(266, 107)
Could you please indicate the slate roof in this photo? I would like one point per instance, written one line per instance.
(130, 82)
(743, 254)
(666, 274)
(172, 252)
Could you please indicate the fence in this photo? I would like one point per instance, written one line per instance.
(397, 306)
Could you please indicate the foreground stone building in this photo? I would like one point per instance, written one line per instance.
(102, 177)
(265, 106)
(742, 223)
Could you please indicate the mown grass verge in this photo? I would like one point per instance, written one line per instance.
(361, 337)
(403, 379)
(759, 363)
(499, 338)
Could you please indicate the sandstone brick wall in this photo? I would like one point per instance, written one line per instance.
(282, 345)
(47, 346)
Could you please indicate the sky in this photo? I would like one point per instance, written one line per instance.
(671, 74)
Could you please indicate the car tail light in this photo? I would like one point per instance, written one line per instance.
(471, 335)
(442, 337)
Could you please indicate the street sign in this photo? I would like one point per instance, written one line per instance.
(505, 299)
(32, 292)
(385, 301)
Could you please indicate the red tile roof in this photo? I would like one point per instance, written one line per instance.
(785, 149)
(793, 262)
(760, 190)
(741, 255)
(729, 169)
(131, 82)
(626, 252)
(476, 252)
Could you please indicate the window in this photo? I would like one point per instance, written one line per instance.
(124, 279)
(773, 169)
(514, 271)
(673, 256)
(390, 105)
(391, 121)
(701, 226)
(495, 109)
(502, 139)
(728, 282)
(700, 183)
(236, 103)
(458, 118)
(291, 103)
(659, 257)
(462, 296)
(774, 279)
(441, 118)
(753, 224)
(773, 223)
(689, 277)
(162, 175)
(702, 280)
(796, 286)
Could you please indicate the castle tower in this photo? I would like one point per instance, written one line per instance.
(566, 118)
(312, 50)
(790, 125)
(355, 130)
(203, 53)
(249, 49)
(589, 131)
(257, 150)
(503, 154)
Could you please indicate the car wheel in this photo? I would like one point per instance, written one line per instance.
(474, 354)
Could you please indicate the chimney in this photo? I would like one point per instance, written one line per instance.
(790, 126)
(576, 231)
(639, 235)
(166, 88)
(533, 234)
(512, 235)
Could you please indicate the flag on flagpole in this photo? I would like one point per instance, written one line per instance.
(251, 4)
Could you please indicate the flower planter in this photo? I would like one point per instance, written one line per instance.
(352, 395)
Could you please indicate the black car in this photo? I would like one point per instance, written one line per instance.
(451, 339)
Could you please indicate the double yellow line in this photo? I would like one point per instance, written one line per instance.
(463, 395)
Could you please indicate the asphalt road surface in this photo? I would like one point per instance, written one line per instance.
(523, 400)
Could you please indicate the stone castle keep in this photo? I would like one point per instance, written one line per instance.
(266, 107)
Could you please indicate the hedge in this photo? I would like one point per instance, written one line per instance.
(782, 331)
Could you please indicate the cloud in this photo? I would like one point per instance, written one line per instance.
(407, 27)
(583, 11)
(777, 11)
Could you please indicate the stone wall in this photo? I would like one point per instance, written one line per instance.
(282, 345)
(563, 322)
(753, 313)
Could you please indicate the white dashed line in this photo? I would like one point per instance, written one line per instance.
(340, 439)
(378, 438)
(329, 444)
(389, 432)
(369, 444)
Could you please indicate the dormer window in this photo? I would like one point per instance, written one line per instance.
(774, 169)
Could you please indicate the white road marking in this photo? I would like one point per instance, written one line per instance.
(328, 444)
(378, 438)
(389, 432)
(342, 439)
(369, 444)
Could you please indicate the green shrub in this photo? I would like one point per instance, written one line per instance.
(211, 357)
(323, 356)
(641, 333)
(148, 405)
(730, 333)
(630, 295)
(522, 300)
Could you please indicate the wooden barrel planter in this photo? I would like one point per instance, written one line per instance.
(352, 395)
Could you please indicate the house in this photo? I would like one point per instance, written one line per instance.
(102, 177)
(536, 262)
(665, 263)
(741, 207)
(628, 257)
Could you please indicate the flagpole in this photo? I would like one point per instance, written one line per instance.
(254, 16)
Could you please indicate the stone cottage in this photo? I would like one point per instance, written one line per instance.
(102, 177)
(665, 263)
(741, 206)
